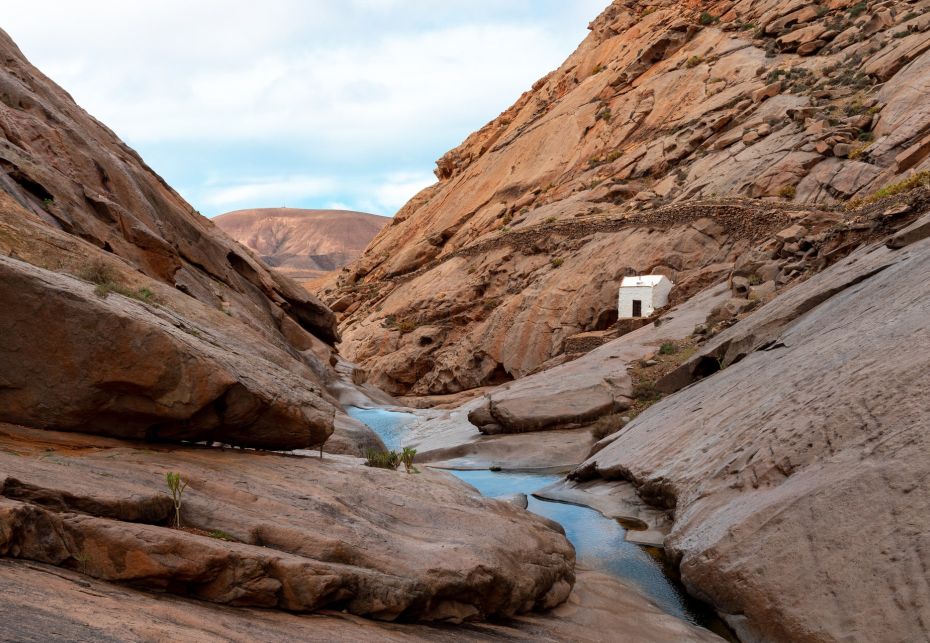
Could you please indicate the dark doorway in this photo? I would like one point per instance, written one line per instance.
(637, 308)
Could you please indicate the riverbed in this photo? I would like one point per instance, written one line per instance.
(600, 543)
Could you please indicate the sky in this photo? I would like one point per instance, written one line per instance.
(341, 104)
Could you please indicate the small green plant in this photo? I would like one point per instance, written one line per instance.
(406, 457)
(551, 219)
(858, 9)
(382, 459)
(707, 19)
(505, 228)
(788, 192)
(219, 534)
(47, 201)
(668, 348)
(176, 488)
(557, 262)
(646, 392)
(603, 115)
(755, 280)
(694, 61)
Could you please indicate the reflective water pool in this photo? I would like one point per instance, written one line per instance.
(390, 426)
(599, 542)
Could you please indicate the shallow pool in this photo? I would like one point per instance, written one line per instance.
(599, 542)
(391, 426)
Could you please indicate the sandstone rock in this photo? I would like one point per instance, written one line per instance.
(791, 233)
(298, 533)
(782, 432)
(43, 602)
(768, 91)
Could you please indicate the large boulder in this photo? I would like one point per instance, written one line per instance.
(78, 360)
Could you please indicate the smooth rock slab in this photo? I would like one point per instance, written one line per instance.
(307, 534)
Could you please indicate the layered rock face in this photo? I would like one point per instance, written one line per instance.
(798, 474)
(601, 168)
(126, 313)
(303, 244)
(276, 531)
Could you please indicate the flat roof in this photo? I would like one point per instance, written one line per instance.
(641, 280)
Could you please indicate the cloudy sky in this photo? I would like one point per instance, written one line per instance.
(304, 103)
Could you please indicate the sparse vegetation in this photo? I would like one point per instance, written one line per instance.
(788, 192)
(694, 61)
(107, 281)
(557, 262)
(382, 459)
(605, 426)
(551, 220)
(668, 348)
(706, 19)
(176, 488)
(391, 459)
(219, 534)
(406, 457)
(918, 180)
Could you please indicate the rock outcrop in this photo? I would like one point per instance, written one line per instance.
(797, 474)
(295, 533)
(303, 244)
(616, 163)
(126, 313)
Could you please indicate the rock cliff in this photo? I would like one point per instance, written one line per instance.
(617, 162)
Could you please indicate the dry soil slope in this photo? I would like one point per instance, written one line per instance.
(303, 244)
(663, 103)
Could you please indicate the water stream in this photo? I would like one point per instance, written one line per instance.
(600, 542)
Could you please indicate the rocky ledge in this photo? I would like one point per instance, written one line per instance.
(269, 530)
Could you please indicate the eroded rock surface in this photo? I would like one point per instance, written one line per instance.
(616, 163)
(797, 474)
(125, 312)
(288, 532)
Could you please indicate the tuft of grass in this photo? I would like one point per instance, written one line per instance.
(646, 392)
(788, 192)
(918, 180)
(668, 348)
(694, 61)
(107, 281)
(382, 459)
(706, 19)
(551, 220)
(557, 262)
(219, 534)
(406, 458)
(605, 426)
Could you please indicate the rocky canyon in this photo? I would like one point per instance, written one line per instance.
(759, 443)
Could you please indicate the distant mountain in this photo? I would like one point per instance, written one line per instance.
(305, 244)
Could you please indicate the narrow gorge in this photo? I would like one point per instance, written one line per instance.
(459, 435)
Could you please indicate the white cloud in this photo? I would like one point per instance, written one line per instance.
(344, 95)
(269, 190)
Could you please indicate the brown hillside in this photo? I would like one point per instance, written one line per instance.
(303, 244)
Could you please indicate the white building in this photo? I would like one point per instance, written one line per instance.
(641, 296)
